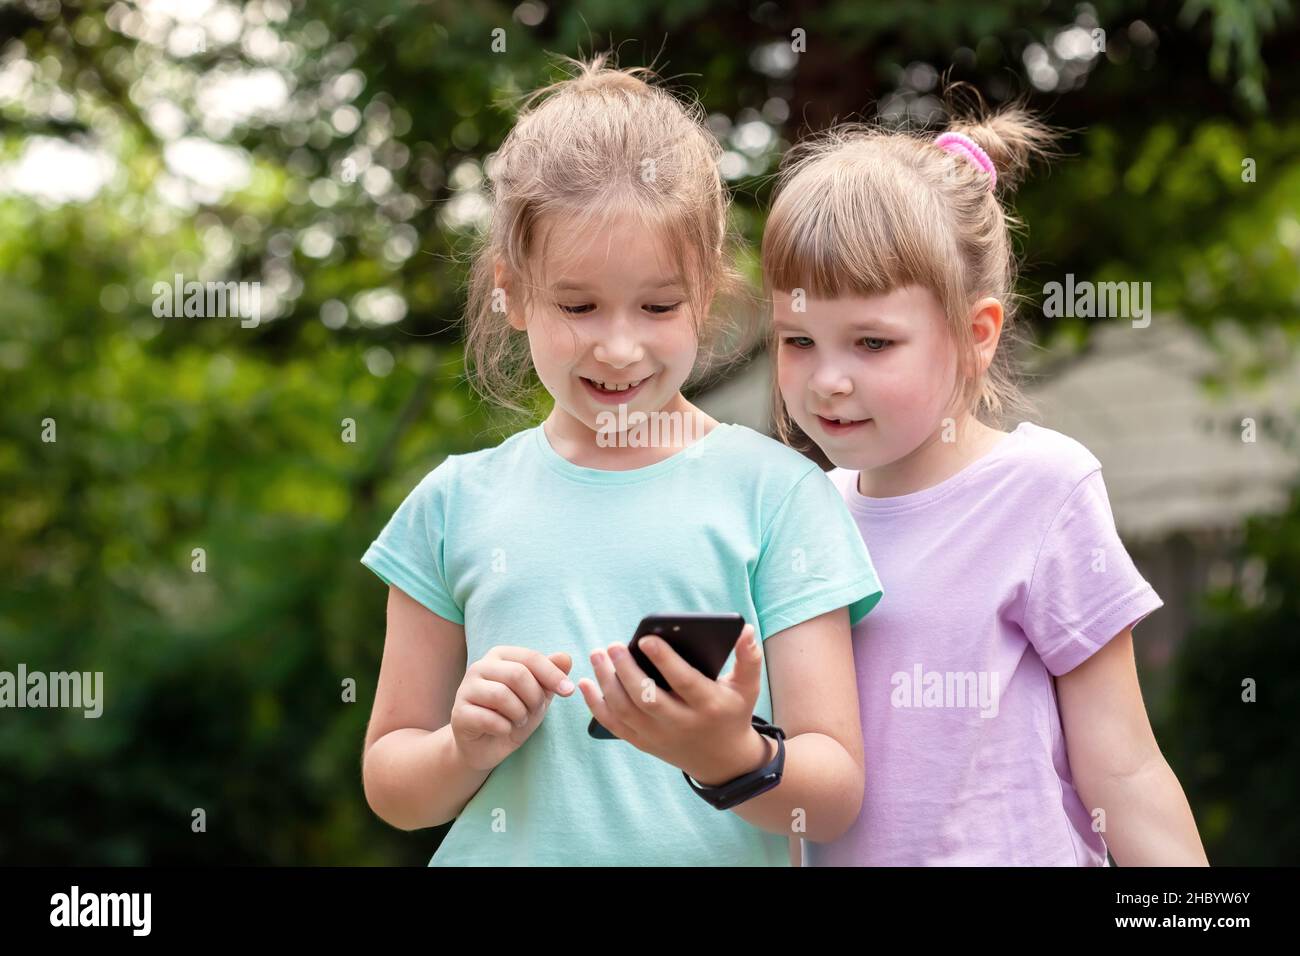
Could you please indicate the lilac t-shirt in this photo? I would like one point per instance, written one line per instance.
(997, 579)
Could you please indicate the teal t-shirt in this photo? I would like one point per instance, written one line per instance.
(523, 547)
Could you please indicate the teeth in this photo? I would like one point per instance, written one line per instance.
(616, 388)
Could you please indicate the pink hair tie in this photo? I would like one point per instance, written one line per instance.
(963, 145)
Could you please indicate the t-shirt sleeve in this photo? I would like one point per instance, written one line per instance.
(408, 553)
(1084, 588)
(812, 560)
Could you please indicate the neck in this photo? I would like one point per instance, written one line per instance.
(933, 461)
(612, 450)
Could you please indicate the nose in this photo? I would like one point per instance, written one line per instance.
(620, 346)
(828, 380)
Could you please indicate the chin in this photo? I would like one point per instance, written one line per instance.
(849, 460)
(852, 457)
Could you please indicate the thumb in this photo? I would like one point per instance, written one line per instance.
(747, 675)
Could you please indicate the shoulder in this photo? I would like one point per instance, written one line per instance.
(776, 467)
(475, 468)
(778, 484)
(775, 457)
(1049, 464)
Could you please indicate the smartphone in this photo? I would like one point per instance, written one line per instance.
(704, 641)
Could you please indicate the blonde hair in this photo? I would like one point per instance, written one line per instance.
(862, 210)
(601, 141)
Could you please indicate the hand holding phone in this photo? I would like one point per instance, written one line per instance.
(704, 641)
(704, 725)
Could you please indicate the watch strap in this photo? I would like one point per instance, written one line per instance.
(734, 792)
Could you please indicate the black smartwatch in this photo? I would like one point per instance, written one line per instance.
(734, 792)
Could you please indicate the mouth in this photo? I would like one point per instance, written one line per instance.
(614, 393)
(841, 426)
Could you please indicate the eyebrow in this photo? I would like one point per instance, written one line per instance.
(877, 325)
(572, 285)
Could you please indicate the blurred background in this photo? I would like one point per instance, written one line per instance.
(184, 499)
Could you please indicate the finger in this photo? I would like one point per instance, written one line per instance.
(565, 663)
(518, 678)
(687, 682)
(479, 721)
(596, 704)
(615, 694)
(548, 673)
(644, 693)
(747, 673)
(497, 696)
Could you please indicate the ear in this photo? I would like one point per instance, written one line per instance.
(986, 329)
(513, 315)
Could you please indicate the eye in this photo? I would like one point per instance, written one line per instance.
(661, 309)
(798, 341)
(576, 309)
(877, 345)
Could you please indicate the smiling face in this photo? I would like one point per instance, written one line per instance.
(885, 366)
(610, 325)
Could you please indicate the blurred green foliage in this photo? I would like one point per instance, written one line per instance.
(224, 689)
(1231, 732)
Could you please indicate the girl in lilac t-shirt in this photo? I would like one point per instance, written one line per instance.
(1002, 721)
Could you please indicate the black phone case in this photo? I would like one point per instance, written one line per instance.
(704, 641)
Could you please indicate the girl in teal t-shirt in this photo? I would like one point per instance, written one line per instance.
(517, 570)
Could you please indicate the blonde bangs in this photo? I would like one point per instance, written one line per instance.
(818, 240)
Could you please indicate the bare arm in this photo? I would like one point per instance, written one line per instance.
(815, 701)
(412, 770)
(1117, 764)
